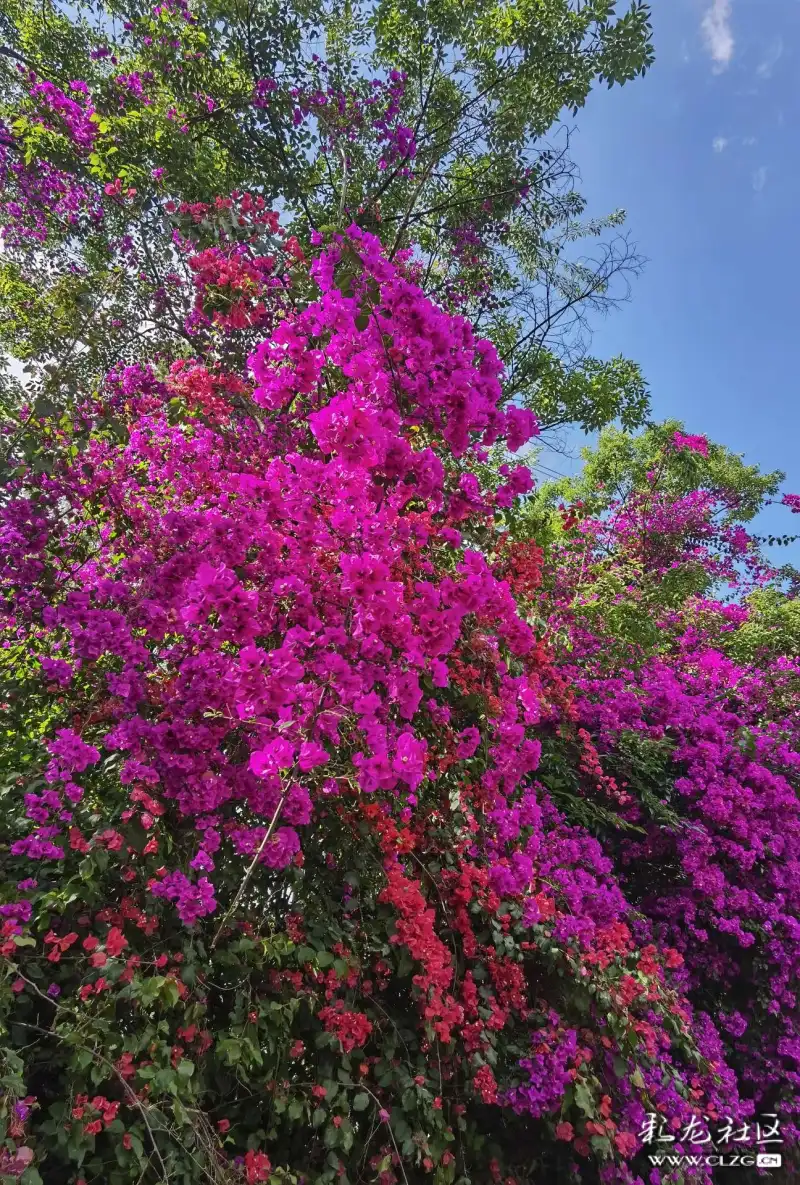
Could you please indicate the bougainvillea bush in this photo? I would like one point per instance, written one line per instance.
(368, 814)
(341, 844)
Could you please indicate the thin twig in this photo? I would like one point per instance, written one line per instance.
(343, 195)
(254, 862)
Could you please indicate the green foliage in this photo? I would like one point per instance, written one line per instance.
(621, 462)
(591, 393)
(485, 83)
(772, 628)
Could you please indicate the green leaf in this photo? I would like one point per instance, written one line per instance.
(584, 1098)
(170, 993)
(230, 1049)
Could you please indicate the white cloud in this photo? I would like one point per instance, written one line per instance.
(749, 141)
(771, 58)
(720, 144)
(718, 34)
(759, 179)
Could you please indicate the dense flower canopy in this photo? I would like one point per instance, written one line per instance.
(367, 818)
(301, 832)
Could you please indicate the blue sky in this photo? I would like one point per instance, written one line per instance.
(704, 155)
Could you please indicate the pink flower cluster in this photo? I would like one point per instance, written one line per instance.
(62, 113)
(34, 191)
